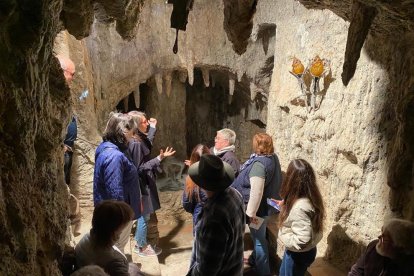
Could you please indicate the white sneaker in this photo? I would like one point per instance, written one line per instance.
(147, 251)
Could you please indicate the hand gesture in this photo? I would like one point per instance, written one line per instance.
(187, 162)
(152, 122)
(168, 152)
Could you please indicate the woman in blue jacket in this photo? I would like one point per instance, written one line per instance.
(115, 176)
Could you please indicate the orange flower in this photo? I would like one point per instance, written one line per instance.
(316, 68)
(297, 66)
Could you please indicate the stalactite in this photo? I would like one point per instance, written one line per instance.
(253, 91)
(168, 82)
(182, 76)
(136, 97)
(190, 71)
(240, 74)
(158, 82)
(126, 103)
(232, 83)
(206, 76)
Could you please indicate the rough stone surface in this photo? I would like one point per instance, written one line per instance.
(353, 139)
(33, 95)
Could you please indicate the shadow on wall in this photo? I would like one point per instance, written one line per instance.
(342, 251)
(397, 118)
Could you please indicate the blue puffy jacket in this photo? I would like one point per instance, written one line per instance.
(115, 177)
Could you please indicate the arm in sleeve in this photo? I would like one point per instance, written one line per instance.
(211, 249)
(358, 269)
(117, 267)
(150, 165)
(301, 227)
(188, 204)
(256, 193)
(113, 177)
(151, 134)
(136, 153)
(234, 163)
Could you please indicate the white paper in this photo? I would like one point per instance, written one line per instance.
(258, 224)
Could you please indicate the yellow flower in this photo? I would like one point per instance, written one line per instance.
(297, 66)
(316, 68)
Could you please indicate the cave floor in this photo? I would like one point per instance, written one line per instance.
(176, 242)
(175, 239)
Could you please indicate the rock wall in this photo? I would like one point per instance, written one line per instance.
(33, 95)
(347, 139)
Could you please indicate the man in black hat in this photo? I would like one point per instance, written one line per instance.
(218, 244)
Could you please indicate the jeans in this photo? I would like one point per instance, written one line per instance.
(296, 263)
(141, 232)
(261, 250)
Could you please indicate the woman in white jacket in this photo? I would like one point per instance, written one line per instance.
(301, 218)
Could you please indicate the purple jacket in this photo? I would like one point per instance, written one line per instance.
(115, 177)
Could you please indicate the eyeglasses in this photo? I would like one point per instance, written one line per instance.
(384, 238)
(71, 73)
(219, 138)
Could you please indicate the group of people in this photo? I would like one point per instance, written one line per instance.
(219, 198)
(222, 196)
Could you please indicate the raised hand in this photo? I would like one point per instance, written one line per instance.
(169, 151)
(187, 162)
(152, 122)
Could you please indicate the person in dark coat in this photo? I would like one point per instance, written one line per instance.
(391, 254)
(224, 148)
(218, 243)
(115, 176)
(69, 142)
(140, 149)
(194, 197)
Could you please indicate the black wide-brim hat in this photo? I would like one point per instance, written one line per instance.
(211, 173)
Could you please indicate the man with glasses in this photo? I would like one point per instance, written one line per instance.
(391, 254)
(224, 148)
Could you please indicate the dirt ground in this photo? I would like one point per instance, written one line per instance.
(175, 237)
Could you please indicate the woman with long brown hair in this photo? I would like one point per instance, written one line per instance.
(193, 196)
(301, 218)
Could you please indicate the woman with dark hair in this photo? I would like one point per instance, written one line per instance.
(140, 149)
(115, 176)
(193, 197)
(260, 178)
(97, 247)
(301, 218)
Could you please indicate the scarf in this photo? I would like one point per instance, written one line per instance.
(223, 150)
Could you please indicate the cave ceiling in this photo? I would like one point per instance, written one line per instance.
(386, 18)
